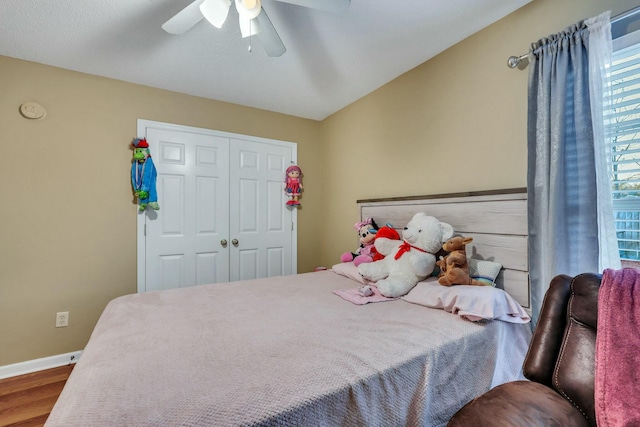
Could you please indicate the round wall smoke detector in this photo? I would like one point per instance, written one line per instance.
(32, 110)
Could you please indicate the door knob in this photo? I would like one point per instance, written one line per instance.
(223, 242)
(235, 242)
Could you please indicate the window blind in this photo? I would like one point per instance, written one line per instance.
(622, 122)
(622, 129)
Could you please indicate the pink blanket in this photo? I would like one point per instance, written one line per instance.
(617, 382)
(358, 297)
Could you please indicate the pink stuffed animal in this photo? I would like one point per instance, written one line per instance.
(367, 232)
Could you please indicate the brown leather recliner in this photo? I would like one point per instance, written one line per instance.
(560, 364)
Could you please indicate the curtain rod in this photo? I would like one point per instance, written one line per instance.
(522, 61)
(518, 61)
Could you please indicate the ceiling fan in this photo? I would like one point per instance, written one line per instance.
(252, 17)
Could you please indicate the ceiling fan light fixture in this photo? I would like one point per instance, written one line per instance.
(248, 9)
(215, 11)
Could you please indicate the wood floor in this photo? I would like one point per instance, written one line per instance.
(26, 400)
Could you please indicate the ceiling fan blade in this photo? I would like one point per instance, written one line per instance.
(182, 21)
(215, 11)
(269, 38)
(328, 5)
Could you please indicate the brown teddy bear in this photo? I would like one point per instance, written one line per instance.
(454, 268)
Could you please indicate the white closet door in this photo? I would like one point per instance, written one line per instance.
(184, 242)
(260, 221)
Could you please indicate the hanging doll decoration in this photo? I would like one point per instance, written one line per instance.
(143, 175)
(367, 230)
(293, 185)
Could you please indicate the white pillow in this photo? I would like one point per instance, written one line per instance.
(484, 271)
(473, 303)
(348, 269)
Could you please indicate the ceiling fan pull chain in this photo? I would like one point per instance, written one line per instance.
(250, 23)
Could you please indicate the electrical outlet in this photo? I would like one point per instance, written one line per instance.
(62, 319)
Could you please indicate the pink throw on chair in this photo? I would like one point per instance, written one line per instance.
(617, 382)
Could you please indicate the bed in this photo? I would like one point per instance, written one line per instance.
(288, 351)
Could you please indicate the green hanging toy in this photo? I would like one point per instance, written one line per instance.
(143, 175)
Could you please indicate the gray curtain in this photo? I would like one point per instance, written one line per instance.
(570, 215)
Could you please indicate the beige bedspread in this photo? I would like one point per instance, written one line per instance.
(282, 351)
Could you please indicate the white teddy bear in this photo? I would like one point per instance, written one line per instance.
(408, 261)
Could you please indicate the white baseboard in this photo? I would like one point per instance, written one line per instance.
(35, 365)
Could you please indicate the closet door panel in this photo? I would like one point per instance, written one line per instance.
(183, 240)
(248, 260)
(249, 203)
(206, 268)
(275, 262)
(259, 220)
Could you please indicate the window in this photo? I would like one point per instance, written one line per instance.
(622, 127)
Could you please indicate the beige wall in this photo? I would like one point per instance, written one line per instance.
(67, 222)
(455, 123)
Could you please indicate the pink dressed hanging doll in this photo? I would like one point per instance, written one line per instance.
(293, 184)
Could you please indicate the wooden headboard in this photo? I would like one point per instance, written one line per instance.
(496, 219)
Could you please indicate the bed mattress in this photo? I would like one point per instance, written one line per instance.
(282, 351)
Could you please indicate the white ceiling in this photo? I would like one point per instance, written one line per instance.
(331, 59)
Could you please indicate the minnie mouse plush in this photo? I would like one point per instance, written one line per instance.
(367, 230)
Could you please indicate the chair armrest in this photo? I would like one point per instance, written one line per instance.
(547, 337)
